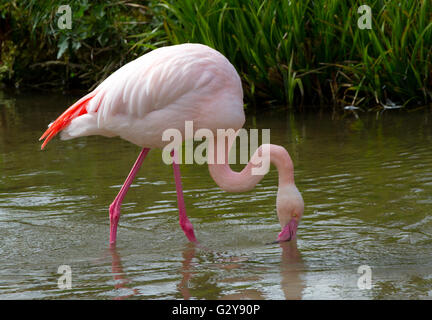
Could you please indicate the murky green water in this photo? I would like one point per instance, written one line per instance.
(367, 186)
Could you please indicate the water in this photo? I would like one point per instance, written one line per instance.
(367, 186)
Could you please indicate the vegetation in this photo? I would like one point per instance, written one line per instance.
(104, 36)
(287, 52)
(296, 50)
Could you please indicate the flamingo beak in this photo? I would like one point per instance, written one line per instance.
(288, 232)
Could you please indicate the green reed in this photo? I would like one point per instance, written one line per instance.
(36, 53)
(288, 52)
(313, 51)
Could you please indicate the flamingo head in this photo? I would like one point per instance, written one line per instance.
(290, 207)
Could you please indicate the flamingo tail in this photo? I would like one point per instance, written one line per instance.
(74, 111)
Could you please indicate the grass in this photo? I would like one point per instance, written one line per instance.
(292, 53)
(313, 51)
(104, 36)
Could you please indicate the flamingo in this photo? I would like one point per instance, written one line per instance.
(162, 89)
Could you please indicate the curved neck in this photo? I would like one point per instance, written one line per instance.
(245, 180)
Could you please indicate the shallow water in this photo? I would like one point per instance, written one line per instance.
(367, 186)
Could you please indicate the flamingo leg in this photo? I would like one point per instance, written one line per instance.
(185, 224)
(114, 209)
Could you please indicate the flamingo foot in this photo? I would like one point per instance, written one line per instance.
(188, 230)
(185, 224)
(114, 209)
(114, 212)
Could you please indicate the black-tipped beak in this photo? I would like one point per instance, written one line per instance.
(288, 232)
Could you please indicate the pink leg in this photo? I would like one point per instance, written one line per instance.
(114, 209)
(185, 224)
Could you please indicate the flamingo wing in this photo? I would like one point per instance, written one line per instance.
(159, 90)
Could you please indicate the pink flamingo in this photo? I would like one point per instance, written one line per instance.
(161, 90)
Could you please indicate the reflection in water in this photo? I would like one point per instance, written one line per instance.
(291, 267)
(232, 263)
(119, 276)
(186, 270)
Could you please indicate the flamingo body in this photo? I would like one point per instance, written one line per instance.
(161, 90)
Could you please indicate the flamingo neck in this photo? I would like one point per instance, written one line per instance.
(245, 180)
